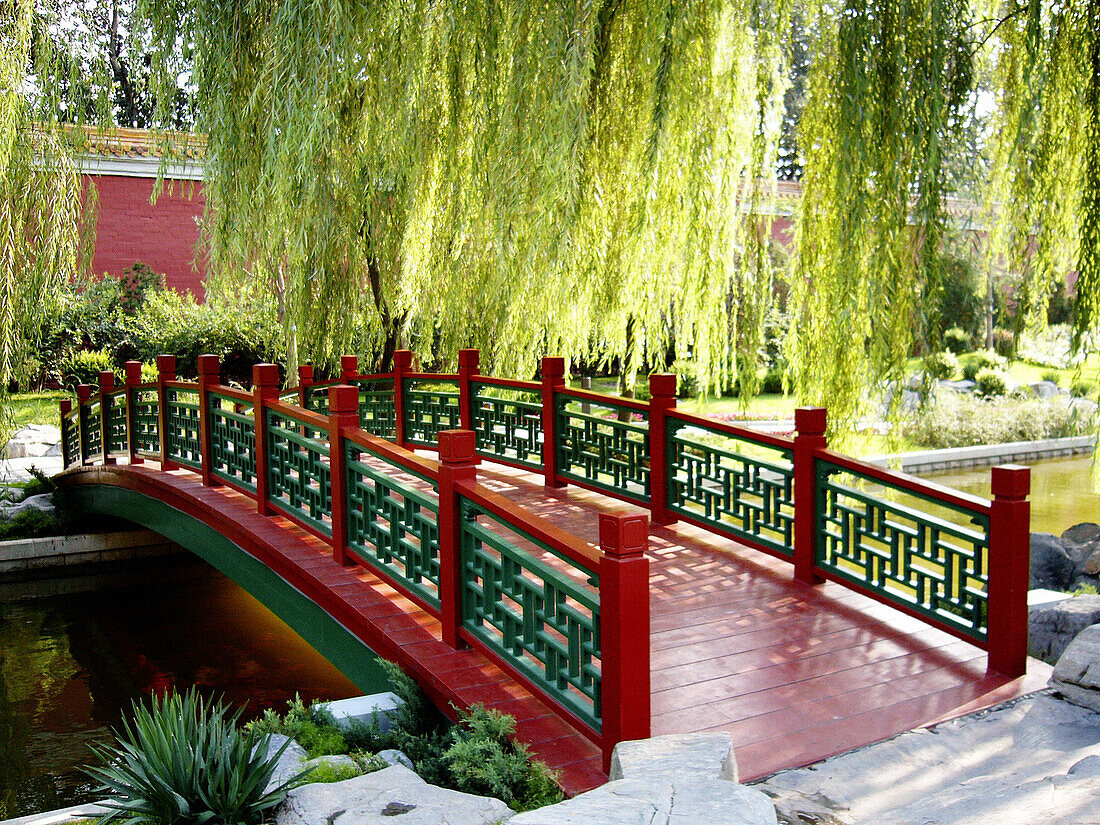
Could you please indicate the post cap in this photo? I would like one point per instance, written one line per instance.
(209, 365)
(624, 534)
(133, 372)
(1011, 481)
(166, 366)
(106, 380)
(662, 385)
(456, 446)
(84, 391)
(265, 375)
(403, 358)
(349, 364)
(343, 399)
(66, 405)
(553, 367)
(305, 373)
(810, 420)
(469, 359)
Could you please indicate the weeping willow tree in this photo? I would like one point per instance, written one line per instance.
(525, 177)
(42, 205)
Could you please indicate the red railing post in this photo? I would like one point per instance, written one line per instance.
(809, 423)
(662, 398)
(1009, 549)
(209, 376)
(305, 381)
(265, 387)
(468, 366)
(553, 377)
(166, 371)
(349, 368)
(106, 385)
(624, 630)
(402, 361)
(456, 456)
(65, 406)
(83, 396)
(343, 409)
(133, 378)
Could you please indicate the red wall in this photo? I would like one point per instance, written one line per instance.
(165, 236)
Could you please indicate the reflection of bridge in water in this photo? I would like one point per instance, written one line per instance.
(484, 581)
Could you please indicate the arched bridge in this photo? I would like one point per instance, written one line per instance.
(601, 568)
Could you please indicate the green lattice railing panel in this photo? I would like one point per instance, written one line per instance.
(508, 423)
(733, 485)
(182, 437)
(316, 400)
(377, 412)
(117, 441)
(934, 564)
(430, 407)
(298, 479)
(598, 448)
(527, 610)
(393, 523)
(71, 447)
(92, 431)
(146, 421)
(232, 441)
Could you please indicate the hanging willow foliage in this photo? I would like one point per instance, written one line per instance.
(524, 177)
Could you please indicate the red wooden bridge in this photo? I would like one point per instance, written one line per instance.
(601, 568)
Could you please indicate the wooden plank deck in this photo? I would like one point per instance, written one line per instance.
(795, 673)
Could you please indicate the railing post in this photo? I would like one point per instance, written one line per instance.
(402, 361)
(305, 381)
(1009, 551)
(133, 378)
(83, 396)
(456, 456)
(662, 398)
(349, 368)
(553, 377)
(209, 376)
(624, 630)
(166, 371)
(106, 385)
(809, 423)
(265, 387)
(65, 406)
(343, 408)
(468, 366)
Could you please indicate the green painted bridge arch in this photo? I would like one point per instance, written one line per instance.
(179, 522)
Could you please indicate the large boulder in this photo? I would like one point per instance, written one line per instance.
(290, 762)
(42, 502)
(391, 795)
(1052, 626)
(1077, 674)
(32, 441)
(1052, 568)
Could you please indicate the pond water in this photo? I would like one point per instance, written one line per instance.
(1064, 491)
(70, 665)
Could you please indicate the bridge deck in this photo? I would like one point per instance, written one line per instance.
(794, 673)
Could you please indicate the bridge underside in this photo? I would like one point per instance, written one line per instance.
(794, 673)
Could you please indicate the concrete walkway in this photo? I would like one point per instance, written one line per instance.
(1032, 760)
(18, 469)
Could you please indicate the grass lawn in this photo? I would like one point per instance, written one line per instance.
(1020, 372)
(32, 408)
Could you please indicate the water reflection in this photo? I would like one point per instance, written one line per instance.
(69, 666)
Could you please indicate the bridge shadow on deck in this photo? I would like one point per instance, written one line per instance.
(795, 673)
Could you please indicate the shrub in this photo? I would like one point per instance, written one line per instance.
(1053, 376)
(311, 727)
(990, 382)
(940, 365)
(773, 380)
(1004, 342)
(136, 284)
(963, 420)
(182, 761)
(983, 360)
(687, 382)
(1081, 388)
(84, 367)
(958, 340)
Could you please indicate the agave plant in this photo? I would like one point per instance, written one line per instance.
(184, 761)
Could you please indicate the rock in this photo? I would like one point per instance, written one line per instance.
(1084, 408)
(1045, 389)
(795, 808)
(700, 755)
(1051, 627)
(1091, 566)
(392, 795)
(395, 757)
(373, 710)
(42, 502)
(1077, 674)
(1084, 533)
(958, 386)
(32, 441)
(1051, 566)
(289, 764)
(683, 800)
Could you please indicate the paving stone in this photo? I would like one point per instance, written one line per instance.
(392, 796)
(375, 709)
(702, 755)
(1077, 674)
